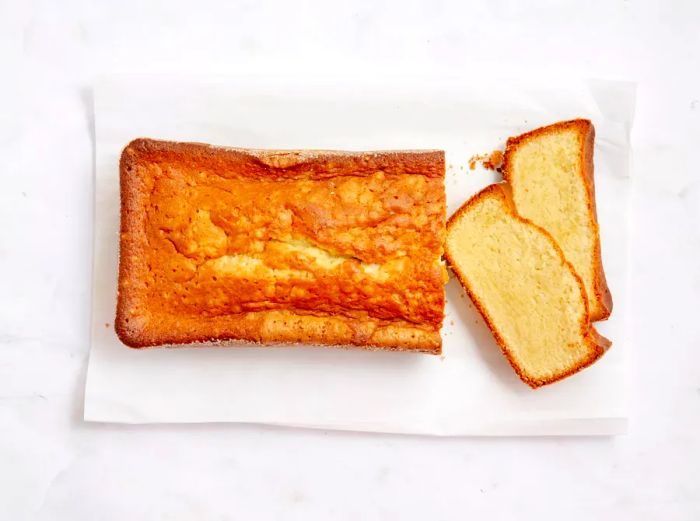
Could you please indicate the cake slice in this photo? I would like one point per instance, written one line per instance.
(550, 171)
(528, 293)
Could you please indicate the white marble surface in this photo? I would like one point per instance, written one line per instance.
(54, 467)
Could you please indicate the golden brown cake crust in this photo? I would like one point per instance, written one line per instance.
(222, 244)
(585, 129)
(597, 344)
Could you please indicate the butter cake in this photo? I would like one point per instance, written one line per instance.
(550, 171)
(529, 295)
(220, 245)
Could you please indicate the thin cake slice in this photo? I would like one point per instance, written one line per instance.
(529, 295)
(550, 171)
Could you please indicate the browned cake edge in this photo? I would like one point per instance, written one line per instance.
(585, 128)
(252, 328)
(597, 343)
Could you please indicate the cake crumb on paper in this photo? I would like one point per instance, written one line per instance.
(492, 161)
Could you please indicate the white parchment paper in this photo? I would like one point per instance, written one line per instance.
(470, 389)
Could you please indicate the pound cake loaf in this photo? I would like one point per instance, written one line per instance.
(528, 293)
(550, 171)
(223, 245)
